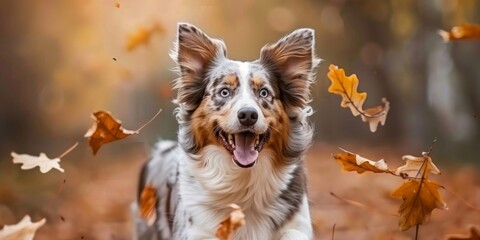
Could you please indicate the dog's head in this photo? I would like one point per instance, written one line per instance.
(245, 107)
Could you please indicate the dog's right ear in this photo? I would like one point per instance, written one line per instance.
(194, 53)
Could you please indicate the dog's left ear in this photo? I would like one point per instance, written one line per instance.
(292, 61)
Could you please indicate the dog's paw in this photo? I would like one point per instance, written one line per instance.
(293, 234)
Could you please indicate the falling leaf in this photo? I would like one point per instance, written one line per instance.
(227, 227)
(376, 115)
(46, 164)
(346, 87)
(107, 129)
(142, 36)
(354, 162)
(464, 31)
(473, 235)
(117, 4)
(420, 198)
(417, 167)
(148, 204)
(24, 230)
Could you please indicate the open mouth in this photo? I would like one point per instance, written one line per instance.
(244, 146)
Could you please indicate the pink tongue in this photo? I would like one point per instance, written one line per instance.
(245, 152)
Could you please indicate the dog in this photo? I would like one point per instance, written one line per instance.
(243, 133)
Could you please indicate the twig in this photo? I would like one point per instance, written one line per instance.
(416, 231)
(333, 231)
(461, 199)
(149, 121)
(68, 150)
(359, 204)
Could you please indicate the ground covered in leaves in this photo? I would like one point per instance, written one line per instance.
(91, 199)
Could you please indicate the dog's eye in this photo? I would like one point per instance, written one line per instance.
(225, 92)
(264, 93)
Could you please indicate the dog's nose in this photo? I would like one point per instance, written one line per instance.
(247, 116)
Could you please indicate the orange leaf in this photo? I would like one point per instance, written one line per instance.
(346, 87)
(420, 198)
(474, 235)
(417, 167)
(227, 227)
(142, 36)
(354, 162)
(148, 204)
(105, 129)
(464, 31)
(117, 4)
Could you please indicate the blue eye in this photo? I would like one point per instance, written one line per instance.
(264, 93)
(225, 92)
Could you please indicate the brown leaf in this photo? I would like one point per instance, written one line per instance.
(24, 230)
(417, 167)
(346, 87)
(354, 162)
(105, 129)
(227, 227)
(148, 204)
(473, 235)
(464, 31)
(117, 4)
(420, 198)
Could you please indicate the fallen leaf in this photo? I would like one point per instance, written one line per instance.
(354, 162)
(24, 230)
(148, 204)
(105, 129)
(473, 235)
(464, 31)
(420, 198)
(376, 115)
(346, 87)
(227, 227)
(43, 162)
(142, 36)
(417, 167)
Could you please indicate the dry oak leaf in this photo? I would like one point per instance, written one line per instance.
(464, 31)
(42, 161)
(24, 230)
(417, 167)
(354, 162)
(105, 129)
(227, 227)
(346, 87)
(473, 235)
(420, 198)
(148, 204)
(142, 36)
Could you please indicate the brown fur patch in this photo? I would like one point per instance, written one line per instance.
(277, 119)
(231, 80)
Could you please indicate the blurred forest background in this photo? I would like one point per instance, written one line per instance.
(62, 60)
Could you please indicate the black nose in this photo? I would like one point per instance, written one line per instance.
(247, 116)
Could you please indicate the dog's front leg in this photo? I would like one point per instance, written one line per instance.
(300, 226)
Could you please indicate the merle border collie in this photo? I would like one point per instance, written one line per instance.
(243, 133)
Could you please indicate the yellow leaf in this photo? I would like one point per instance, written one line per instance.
(354, 162)
(24, 230)
(227, 227)
(464, 31)
(420, 198)
(417, 167)
(346, 87)
(142, 36)
(148, 204)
